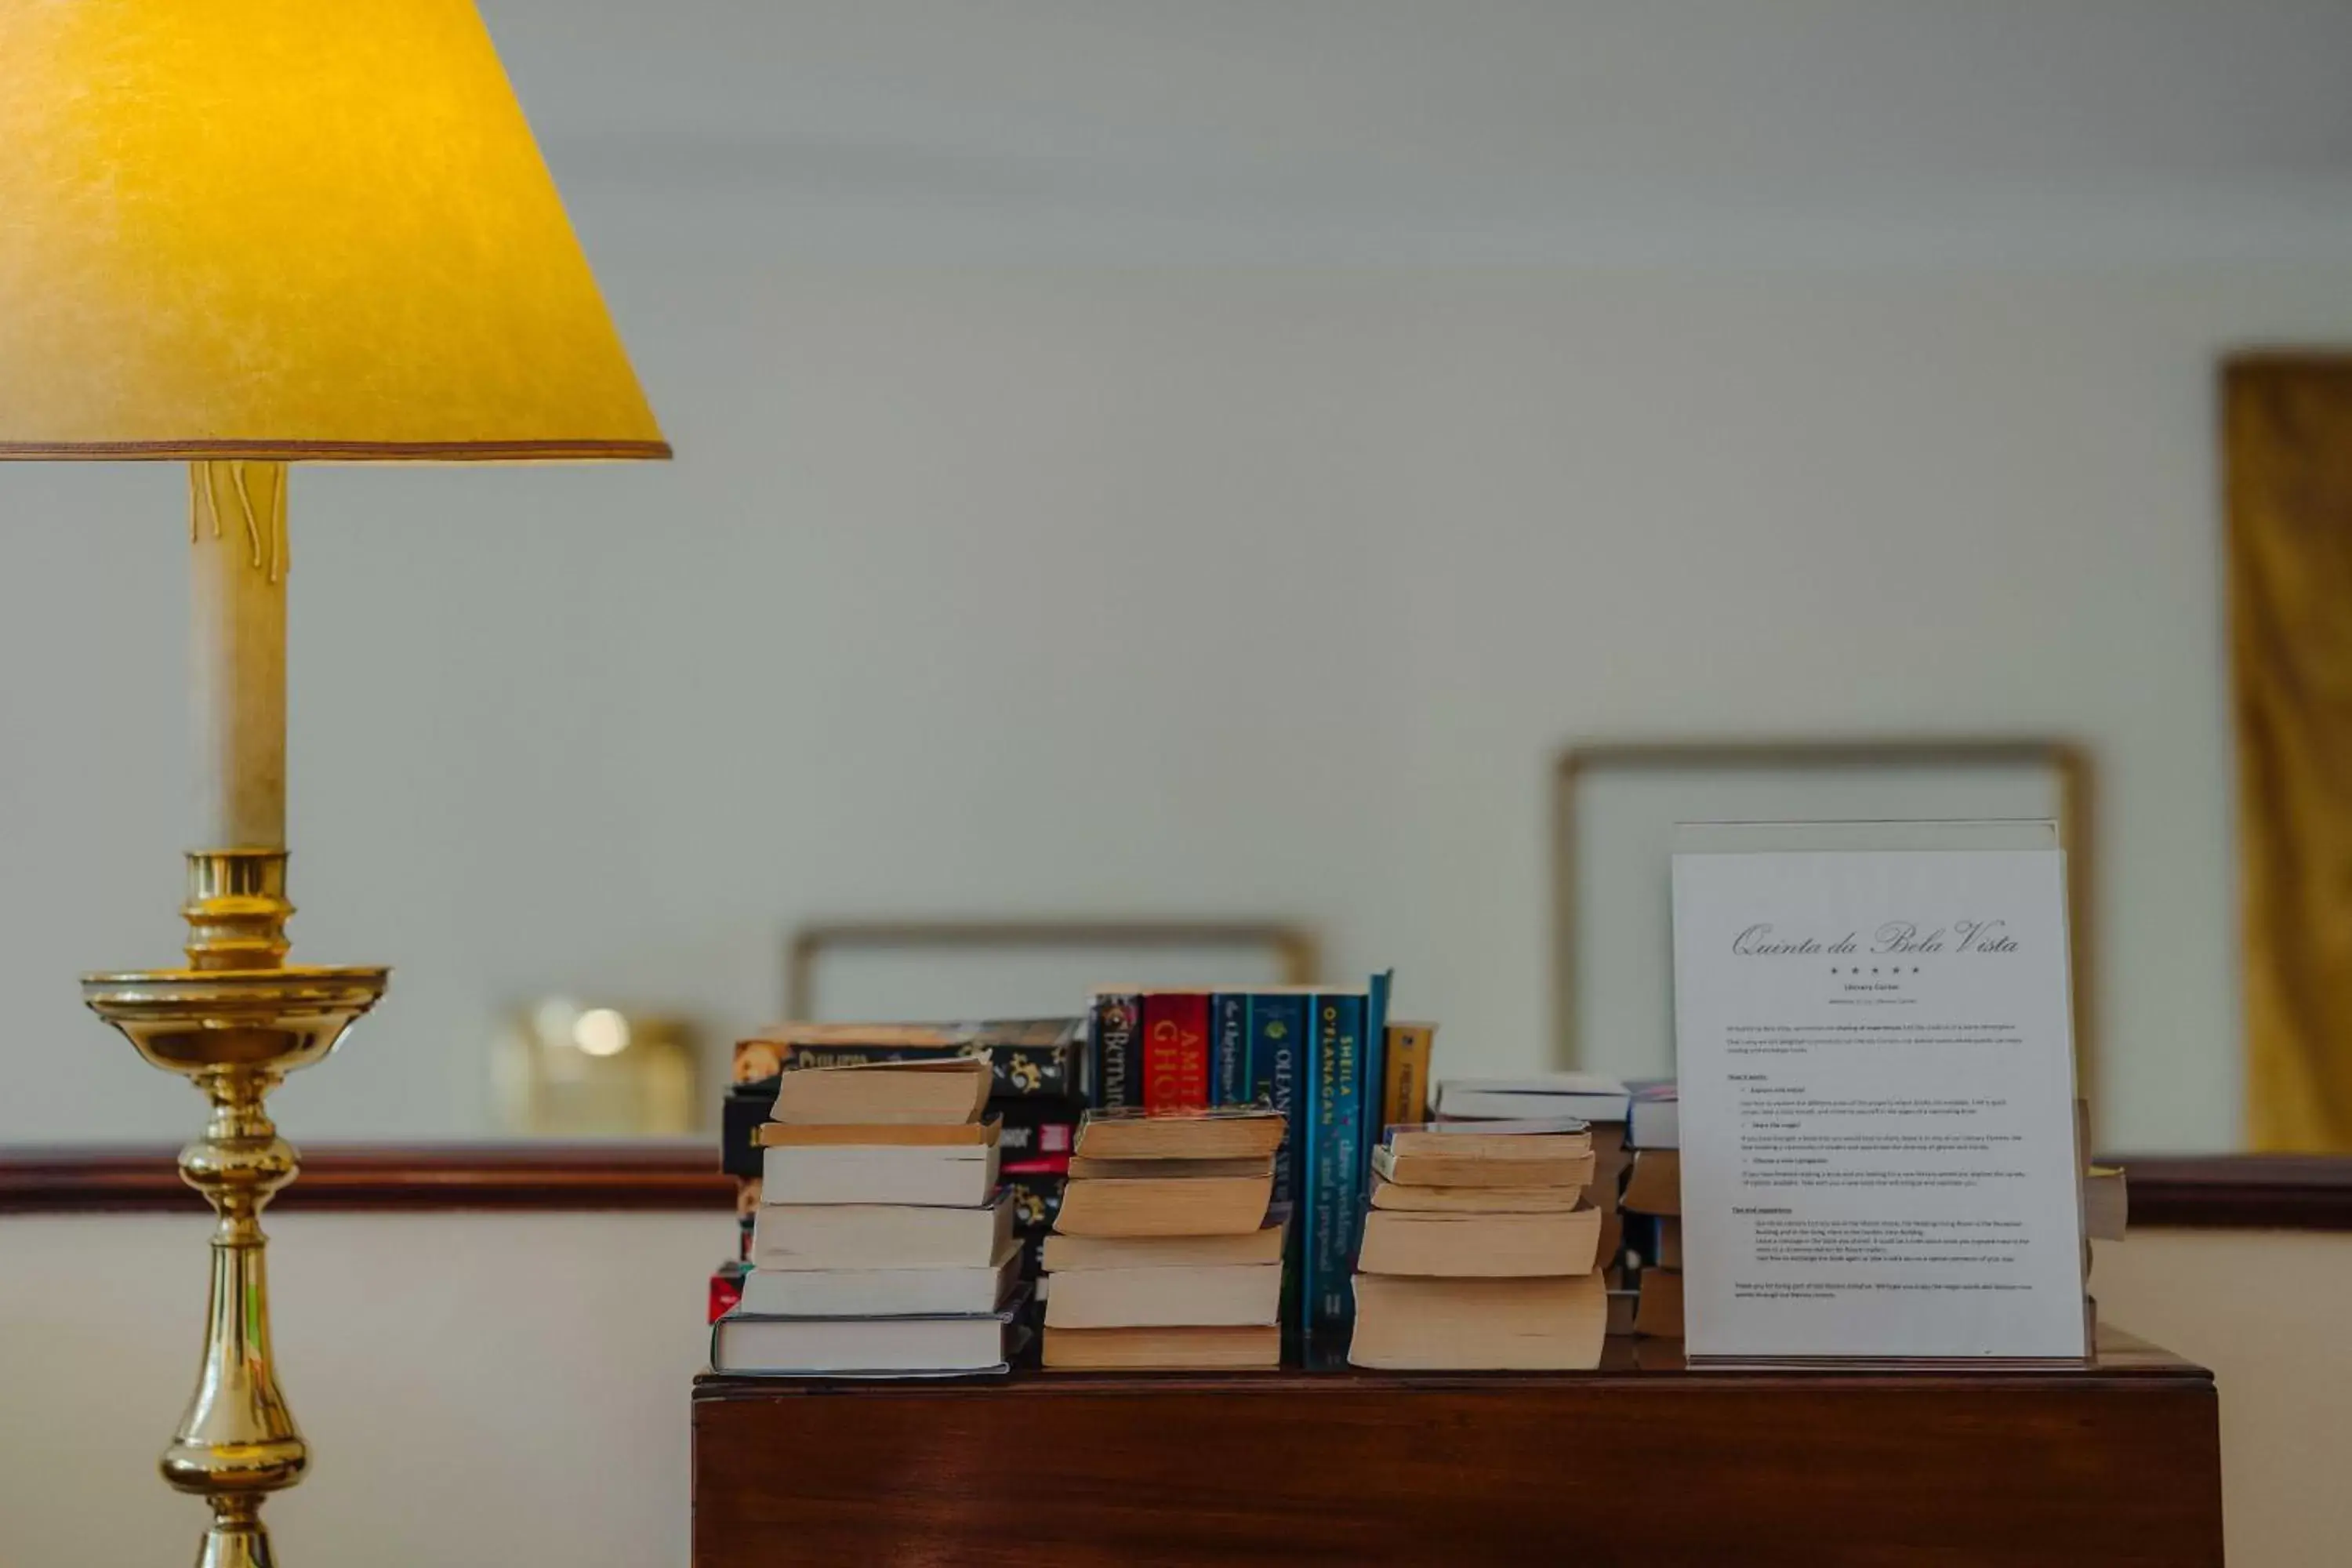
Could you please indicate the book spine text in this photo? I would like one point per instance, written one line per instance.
(1114, 1023)
(1336, 1161)
(1404, 1096)
(1175, 1050)
(1229, 1049)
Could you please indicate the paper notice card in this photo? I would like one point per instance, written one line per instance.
(1876, 1057)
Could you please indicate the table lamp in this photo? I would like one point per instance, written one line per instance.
(245, 233)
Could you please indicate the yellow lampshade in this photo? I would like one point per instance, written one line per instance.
(288, 229)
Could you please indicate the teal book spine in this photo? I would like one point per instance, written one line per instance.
(1278, 1047)
(1277, 1036)
(1335, 1162)
(1376, 1069)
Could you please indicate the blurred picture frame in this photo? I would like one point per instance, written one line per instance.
(1615, 804)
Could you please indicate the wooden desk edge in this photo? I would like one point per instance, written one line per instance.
(2124, 1363)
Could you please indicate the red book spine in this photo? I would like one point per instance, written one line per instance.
(725, 1291)
(1176, 1051)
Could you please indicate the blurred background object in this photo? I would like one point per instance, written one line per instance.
(561, 1069)
(2287, 423)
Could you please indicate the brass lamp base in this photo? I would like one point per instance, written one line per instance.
(235, 1022)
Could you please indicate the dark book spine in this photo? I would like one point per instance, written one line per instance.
(1036, 1198)
(1335, 1160)
(1374, 1077)
(1229, 1049)
(1035, 1129)
(1013, 1069)
(741, 1118)
(1115, 1026)
(1175, 1050)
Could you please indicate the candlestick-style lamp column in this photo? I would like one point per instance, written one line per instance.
(244, 234)
(238, 1018)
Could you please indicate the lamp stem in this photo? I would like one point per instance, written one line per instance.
(236, 535)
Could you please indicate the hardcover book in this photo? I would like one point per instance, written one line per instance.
(1335, 1161)
(879, 1236)
(742, 1344)
(1589, 1097)
(1229, 1049)
(742, 1115)
(881, 1293)
(1175, 1050)
(939, 1174)
(1276, 1024)
(1036, 1198)
(1037, 1129)
(1026, 1055)
(1373, 1046)
(1115, 1027)
(727, 1287)
(1404, 1085)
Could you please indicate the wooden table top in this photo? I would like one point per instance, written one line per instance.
(1625, 1362)
(1643, 1462)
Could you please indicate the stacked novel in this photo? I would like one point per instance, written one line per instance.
(1608, 1107)
(882, 1245)
(1165, 1256)
(1038, 1087)
(1480, 1251)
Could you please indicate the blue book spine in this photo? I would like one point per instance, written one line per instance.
(1229, 1049)
(1278, 1064)
(1335, 1162)
(1375, 1069)
(1277, 1043)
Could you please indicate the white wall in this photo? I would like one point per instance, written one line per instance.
(513, 1388)
(1207, 461)
(1025, 589)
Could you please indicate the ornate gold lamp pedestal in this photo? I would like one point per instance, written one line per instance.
(414, 292)
(235, 1021)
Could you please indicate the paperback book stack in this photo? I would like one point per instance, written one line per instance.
(1605, 1105)
(1038, 1085)
(1165, 1256)
(1480, 1251)
(882, 1245)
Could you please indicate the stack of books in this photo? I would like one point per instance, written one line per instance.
(1606, 1105)
(1167, 1254)
(1038, 1089)
(1325, 1058)
(1652, 1201)
(1480, 1251)
(882, 1245)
